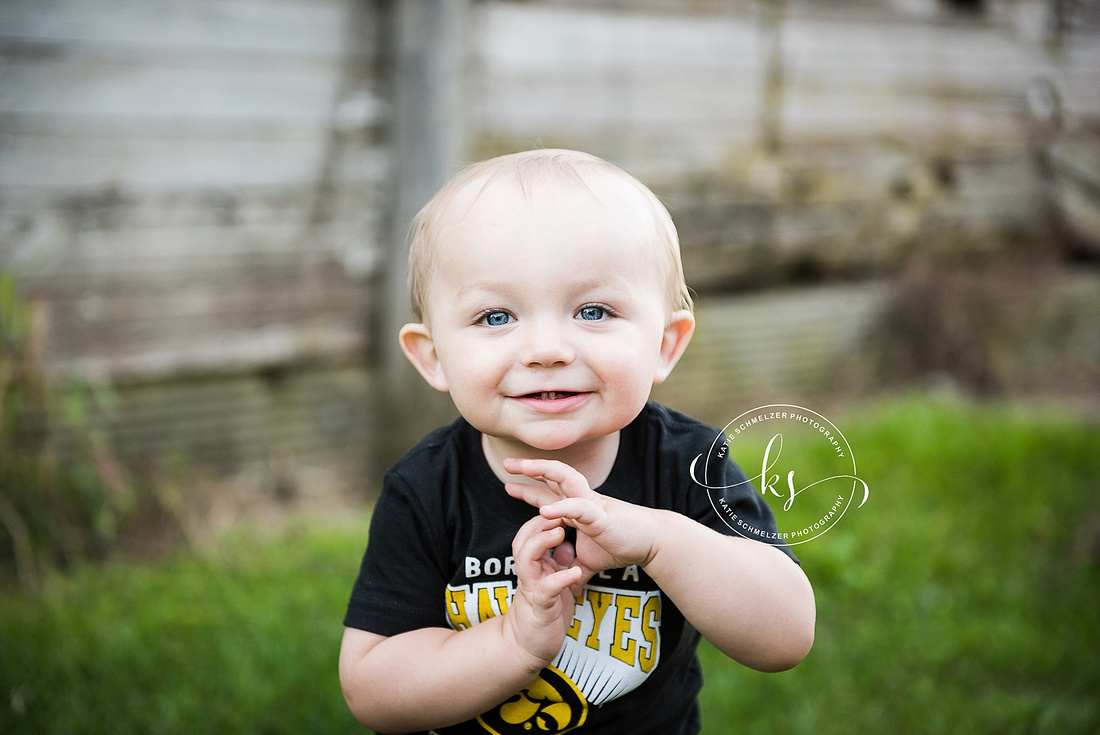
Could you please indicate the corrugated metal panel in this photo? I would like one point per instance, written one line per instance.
(804, 343)
(772, 347)
(304, 418)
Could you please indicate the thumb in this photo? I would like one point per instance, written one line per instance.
(564, 554)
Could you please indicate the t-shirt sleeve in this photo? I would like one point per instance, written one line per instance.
(401, 584)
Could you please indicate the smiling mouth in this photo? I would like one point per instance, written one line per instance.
(550, 395)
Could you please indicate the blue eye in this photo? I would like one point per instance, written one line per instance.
(497, 318)
(592, 313)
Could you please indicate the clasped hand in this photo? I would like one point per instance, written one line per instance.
(611, 534)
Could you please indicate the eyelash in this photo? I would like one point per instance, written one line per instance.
(483, 317)
(608, 312)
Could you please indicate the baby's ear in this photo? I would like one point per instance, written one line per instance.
(418, 345)
(675, 340)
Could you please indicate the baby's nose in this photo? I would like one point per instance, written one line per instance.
(546, 345)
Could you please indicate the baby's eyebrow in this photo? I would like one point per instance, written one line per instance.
(613, 286)
(614, 289)
(488, 288)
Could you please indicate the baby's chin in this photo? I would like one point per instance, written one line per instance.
(542, 445)
(539, 444)
(552, 445)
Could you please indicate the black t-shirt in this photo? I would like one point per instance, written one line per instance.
(439, 555)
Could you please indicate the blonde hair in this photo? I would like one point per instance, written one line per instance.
(526, 170)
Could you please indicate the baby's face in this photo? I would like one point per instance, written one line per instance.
(549, 318)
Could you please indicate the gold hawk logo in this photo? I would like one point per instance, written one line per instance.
(549, 704)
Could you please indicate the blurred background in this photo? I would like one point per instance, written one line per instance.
(203, 209)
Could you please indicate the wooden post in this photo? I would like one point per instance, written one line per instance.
(771, 103)
(428, 51)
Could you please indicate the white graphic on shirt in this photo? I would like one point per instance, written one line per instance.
(612, 646)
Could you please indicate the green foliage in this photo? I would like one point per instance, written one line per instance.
(243, 640)
(63, 494)
(963, 598)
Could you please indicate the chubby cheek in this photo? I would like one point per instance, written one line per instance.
(470, 368)
(631, 371)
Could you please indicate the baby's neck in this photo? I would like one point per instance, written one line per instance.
(593, 459)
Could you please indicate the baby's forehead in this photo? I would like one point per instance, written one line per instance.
(502, 228)
(500, 196)
(492, 210)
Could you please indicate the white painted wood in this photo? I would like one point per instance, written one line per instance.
(203, 186)
(279, 27)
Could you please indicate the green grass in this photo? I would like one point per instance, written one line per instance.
(954, 600)
(243, 640)
(957, 600)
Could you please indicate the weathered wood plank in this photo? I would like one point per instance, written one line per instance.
(281, 27)
(590, 71)
(147, 89)
(205, 250)
(233, 208)
(882, 131)
(193, 186)
(175, 163)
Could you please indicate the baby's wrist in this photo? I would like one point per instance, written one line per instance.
(532, 660)
(663, 521)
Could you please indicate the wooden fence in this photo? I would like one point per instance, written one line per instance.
(205, 195)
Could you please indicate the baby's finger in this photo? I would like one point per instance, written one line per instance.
(571, 483)
(577, 588)
(536, 495)
(534, 525)
(546, 548)
(576, 511)
(564, 554)
(527, 546)
(554, 585)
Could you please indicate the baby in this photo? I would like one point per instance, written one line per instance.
(545, 563)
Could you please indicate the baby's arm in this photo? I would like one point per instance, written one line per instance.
(747, 598)
(421, 679)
